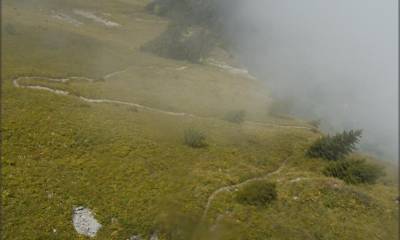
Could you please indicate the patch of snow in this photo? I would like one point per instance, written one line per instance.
(66, 18)
(94, 17)
(84, 222)
(229, 68)
(181, 68)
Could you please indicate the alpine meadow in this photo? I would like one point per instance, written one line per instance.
(179, 120)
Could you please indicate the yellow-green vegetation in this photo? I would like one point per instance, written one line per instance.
(354, 171)
(257, 193)
(235, 116)
(130, 165)
(194, 138)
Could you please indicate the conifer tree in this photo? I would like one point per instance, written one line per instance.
(335, 147)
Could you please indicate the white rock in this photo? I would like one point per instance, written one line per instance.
(154, 236)
(84, 222)
(135, 237)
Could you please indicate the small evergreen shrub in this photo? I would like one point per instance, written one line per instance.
(335, 147)
(257, 193)
(354, 171)
(194, 138)
(235, 116)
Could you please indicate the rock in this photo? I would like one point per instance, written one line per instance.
(84, 222)
(135, 237)
(154, 236)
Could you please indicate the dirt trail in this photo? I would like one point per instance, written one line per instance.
(17, 83)
(236, 186)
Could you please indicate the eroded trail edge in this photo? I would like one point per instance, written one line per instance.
(17, 83)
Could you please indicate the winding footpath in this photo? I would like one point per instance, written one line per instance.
(17, 83)
(237, 186)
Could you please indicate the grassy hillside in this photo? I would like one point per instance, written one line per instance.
(129, 164)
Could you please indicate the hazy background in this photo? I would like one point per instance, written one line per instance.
(336, 60)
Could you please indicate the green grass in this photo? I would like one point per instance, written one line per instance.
(259, 193)
(130, 166)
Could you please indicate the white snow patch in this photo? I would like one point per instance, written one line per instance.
(181, 68)
(229, 68)
(84, 222)
(94, 17)
(66, 18)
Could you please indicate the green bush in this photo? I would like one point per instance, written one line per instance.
(194, 138)
(354, 171)
(335, 147)
(235, 116)
(257, 193)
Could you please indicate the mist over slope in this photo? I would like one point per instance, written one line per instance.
(334, 60)
(104, 139)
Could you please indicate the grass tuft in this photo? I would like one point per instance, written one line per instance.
(195, 138)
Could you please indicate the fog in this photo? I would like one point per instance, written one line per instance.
(336, 60)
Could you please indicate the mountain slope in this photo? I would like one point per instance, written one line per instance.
(124, 157)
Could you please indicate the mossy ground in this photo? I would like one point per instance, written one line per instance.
(130, 166)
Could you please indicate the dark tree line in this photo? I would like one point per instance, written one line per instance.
(195, 28)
